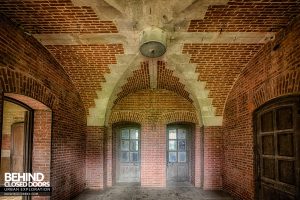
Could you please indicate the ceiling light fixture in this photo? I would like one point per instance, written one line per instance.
(153, 42)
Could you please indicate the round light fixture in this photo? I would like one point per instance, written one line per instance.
(153, 42)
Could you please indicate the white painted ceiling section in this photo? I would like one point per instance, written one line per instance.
(131, 18)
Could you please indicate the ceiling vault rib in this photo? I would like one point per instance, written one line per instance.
(178, 38)
(153, 73)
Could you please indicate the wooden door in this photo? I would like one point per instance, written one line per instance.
(177, 154)
(128, 168)
(277, 134)
(17, 147)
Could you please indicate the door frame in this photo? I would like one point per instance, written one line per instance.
(117, 146)
(256, 158)
(190, 137)
(28, 131)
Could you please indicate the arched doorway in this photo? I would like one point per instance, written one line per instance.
(25, 139)
(277, 143)
(127, 142)
(16, 145)
(179, 156)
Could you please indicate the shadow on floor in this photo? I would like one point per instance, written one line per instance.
(138, 193)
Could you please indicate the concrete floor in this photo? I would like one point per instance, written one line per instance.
(138, 193)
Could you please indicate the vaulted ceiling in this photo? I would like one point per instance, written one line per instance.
(209, 42)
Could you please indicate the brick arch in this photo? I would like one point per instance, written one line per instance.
(284, 84)
(17, 83)
(126, 116)
(180, 116)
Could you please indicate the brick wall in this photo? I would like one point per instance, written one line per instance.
(65, 17)
(246, 16)
(212, 158)
(219, 65)
(94, 157)
(86, 65)
(29, 69)
(41, 152)
(273, 72)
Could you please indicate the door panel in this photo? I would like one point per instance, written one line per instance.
(128, 169)
(277, 136)
(177, 154)
(17, 148)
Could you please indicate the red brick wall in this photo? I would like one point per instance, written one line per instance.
(29, 69)
(56, 17)
(94, 157)
(273, 72)
(212, 158)
(41, 152)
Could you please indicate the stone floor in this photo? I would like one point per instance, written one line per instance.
(138, 193)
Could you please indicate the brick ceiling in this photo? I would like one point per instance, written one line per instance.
(96, 39)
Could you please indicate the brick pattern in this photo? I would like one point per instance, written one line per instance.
(213, 158)
(247, 16)
(197, 155)
(5, 145)
(219, 65)
(94, 157)
(274, 71)
(27, 68)
(41, 152)
(153, 160)
(32, 103)
(174, 116)
(54, 16)
(285, 83)
(139, 80)
(18, 82)
(86, 65)
(129, 116)
(166, 80)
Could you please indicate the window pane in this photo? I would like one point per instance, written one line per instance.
(181, 145)
(267, 122)
(286, 171)
(284, 118)
(181, 156)
(134, 145)
(134, 156)
(134, 134)
(124, 156)
(125, 145)
(285, 144)
(125, 134)
(269, 168)
(172, 145)
(172, 157)
(268, 145)
(172, 134)
(181, 133)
